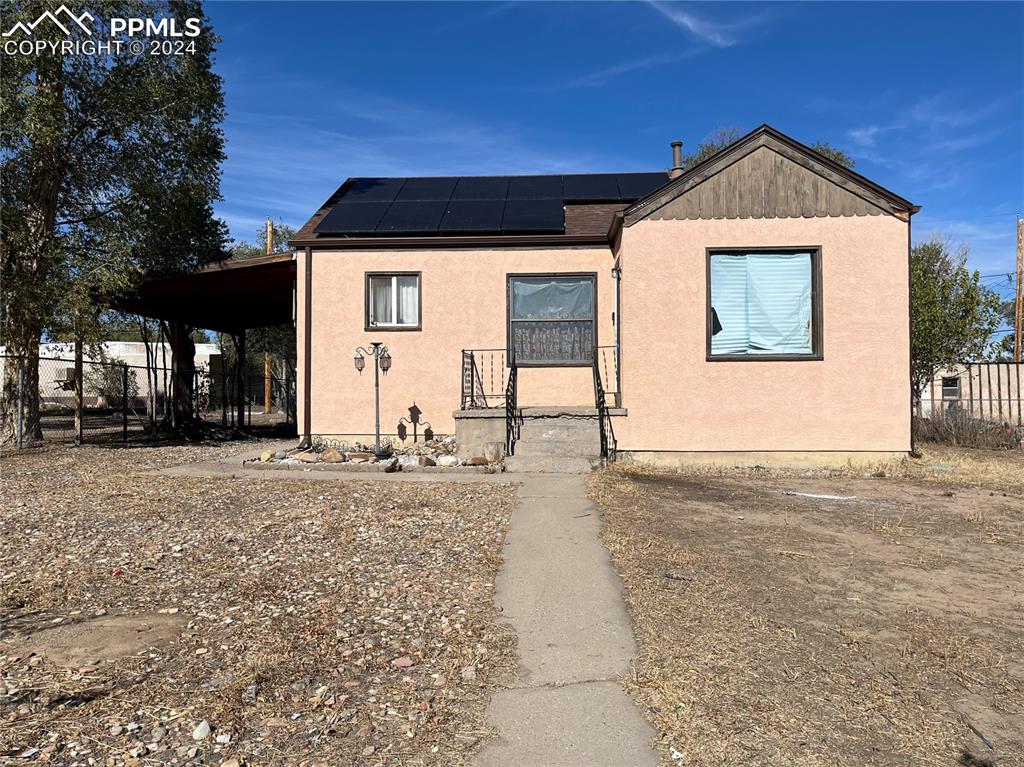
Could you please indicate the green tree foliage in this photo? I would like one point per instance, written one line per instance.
(720, 138)
(110, 166)
(953, 314)
(282, 233)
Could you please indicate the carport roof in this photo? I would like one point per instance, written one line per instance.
(226, 296)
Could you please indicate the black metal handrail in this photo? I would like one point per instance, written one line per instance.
(604, 420)
(512, 416)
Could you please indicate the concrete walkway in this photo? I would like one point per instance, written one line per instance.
(558, 589)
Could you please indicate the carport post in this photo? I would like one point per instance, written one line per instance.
(240, 379)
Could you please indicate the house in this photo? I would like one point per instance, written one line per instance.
(725, 312)
(986, 391)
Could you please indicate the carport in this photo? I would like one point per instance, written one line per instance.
(228, 296)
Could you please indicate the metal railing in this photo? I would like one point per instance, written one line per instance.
(512, 415)
(604, 420)
(485, 375)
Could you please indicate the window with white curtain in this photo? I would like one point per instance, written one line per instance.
(393, 300)
(763, 304)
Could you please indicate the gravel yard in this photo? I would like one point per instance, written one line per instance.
(882, 627)
(177, 620)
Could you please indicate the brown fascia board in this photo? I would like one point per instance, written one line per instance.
(242, 263)
(741, 143)
(425, 243)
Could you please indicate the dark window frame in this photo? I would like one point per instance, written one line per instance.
(509, 278)
(957, 386)
(367, 327)
(817, 300)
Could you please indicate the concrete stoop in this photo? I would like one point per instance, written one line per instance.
(557, 440)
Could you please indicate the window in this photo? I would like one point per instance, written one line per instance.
(764, 304)
(951, 387)
(551, 319)
(393, 301)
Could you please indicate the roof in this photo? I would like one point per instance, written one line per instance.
(563, 208)
(768, 136)
(226, 295)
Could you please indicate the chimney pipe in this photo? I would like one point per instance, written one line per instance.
(677, 160)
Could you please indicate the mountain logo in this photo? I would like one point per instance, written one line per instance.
(55, 17)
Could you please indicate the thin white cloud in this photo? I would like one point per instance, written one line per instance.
(716, 34)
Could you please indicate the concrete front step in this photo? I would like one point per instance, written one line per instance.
(518, 464)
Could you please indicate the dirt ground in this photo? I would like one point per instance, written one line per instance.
(882, 628)
(308, 623)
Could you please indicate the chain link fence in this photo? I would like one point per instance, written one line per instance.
(122, 402)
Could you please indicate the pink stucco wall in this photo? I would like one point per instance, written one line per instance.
(855, 399)
(463, 307)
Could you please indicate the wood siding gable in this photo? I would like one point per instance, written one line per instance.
(764, 176)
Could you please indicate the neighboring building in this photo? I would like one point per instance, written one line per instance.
(987, 391)
(730, 309)
(57, 370)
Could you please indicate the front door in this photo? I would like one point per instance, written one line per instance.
(552, 319)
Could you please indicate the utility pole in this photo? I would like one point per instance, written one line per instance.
(266, 354)
(1018, 317)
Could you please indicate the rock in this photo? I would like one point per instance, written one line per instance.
(333, 455)
(232, 762)
(359, 457)
(447, 461)
(116, 730)
(265, 456)
(404, 662)
(469, 673)
(425, 460)
(158, 734)
(224, 738)
(494, 452)
(202, 731)
(280, 455)
(477, 460)
(390, 465)
(307, 457)
(368, 751)
(440, 680)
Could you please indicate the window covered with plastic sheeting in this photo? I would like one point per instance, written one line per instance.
(551, 319)
(764, 304)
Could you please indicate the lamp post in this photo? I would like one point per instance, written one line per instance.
(381, 364)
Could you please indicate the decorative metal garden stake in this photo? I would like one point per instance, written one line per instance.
(381, 364)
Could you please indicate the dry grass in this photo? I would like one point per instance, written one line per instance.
(784, 630)
(314, 623)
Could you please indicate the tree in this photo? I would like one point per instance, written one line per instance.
(282, 233)
(721, 137)
(952, 314)
(110, 165)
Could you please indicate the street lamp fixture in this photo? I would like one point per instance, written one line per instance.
(381, 364)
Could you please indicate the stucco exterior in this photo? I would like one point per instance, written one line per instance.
(463, 307)
(679, 401)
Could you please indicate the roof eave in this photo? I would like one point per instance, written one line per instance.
(465, 241)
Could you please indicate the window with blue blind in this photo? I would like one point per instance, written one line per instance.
(763, 304)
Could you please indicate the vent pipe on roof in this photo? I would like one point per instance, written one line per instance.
(677, 160)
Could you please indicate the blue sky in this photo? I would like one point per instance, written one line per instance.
(928, 98)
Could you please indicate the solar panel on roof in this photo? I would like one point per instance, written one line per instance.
(533, 216)
(534, 187)
(481, 188)
(633, 186)
(473, 216)
(352, 218)
(413, 217)
(374, 190)
(591, 187)
(427, 189)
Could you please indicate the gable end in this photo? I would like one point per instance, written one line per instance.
(766, 175)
